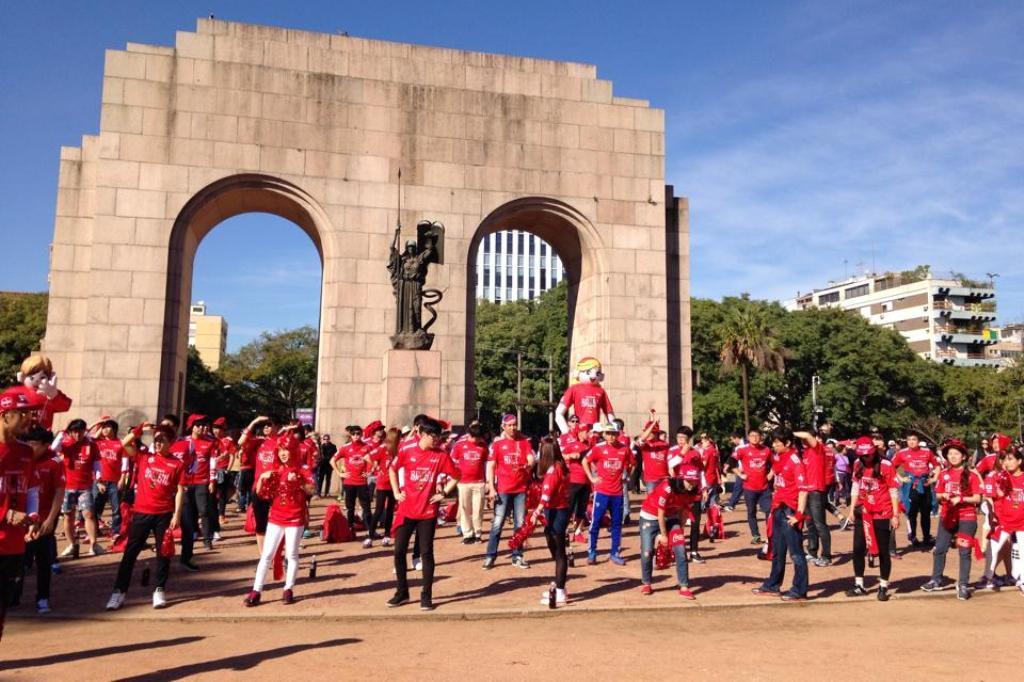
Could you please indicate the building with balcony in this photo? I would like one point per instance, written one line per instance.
(514, 265)
(944, 320)
(1009, 345)
(208, 334)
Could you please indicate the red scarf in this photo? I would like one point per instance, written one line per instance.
(867, 520)
(964, 540)
(771, 525)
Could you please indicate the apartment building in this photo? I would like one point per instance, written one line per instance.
(208, 333)
(514, 265)
(945, 320)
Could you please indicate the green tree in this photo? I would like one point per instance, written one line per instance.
(748, 343)
(22, 327)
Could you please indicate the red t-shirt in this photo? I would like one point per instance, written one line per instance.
(571, 445)
(916, 462)
(158, 479)
(288, 500)
(830, 465)
(247, 453)
(754, 462)
(50, 476)
(111, 459)
(471, 459)
(709, 457)
(357, 465)
(79, 460)
(660, 498)
(814, 466)
(875, 494)
(266, 456)
(655, 459)
(554, 493)
(204, 450)
(587, 401)
(422, 468)
(1010, 507)
(790, 480)
(987, 463)
(677, 458)
(609, 462)
(17, 477)
(949, 482)
(226, 447)
(380, 459)
(511, 468)
(309, 453)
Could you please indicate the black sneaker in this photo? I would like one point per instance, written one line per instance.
(932, 586)
(397, 600)
(520, 562)
(963, 593)
(856, 591)
(426, 604)
(468, 540)
(189, 566)
(696, 558)
(883, 594)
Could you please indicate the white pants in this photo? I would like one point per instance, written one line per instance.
(471, 508)
(275, 533)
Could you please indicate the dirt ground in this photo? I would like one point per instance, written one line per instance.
(490, 623)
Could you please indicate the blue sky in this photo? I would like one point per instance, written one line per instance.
(811, 138)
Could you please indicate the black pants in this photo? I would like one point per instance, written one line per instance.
(817, 529)
(11, 566)
(695, 526)
(920, 505)
(42, 552)
(383, 510)
(194, 516)
(352, 493)
(225, 488)
(246, 479)
(424, 529)
(943, 540)
(138, 533)
(579, 497)
(323, 485)
(555, 527)
(883, 533)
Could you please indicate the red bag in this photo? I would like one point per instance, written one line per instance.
(121, 539)
(250, 521)
(714, 526)
(519, 538)
(663, 557)
(335, 528)
(166, 549)
(450, 512)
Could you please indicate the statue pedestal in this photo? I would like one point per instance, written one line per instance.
(412, 385)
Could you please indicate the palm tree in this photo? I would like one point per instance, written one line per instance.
(749, 343)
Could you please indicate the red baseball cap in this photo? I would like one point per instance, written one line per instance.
(220, 421)
(373, 426)
(20, 398)
(865, 446)
(193, 418)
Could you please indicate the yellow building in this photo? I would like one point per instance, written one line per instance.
(208, 333)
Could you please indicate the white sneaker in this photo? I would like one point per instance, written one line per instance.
(159, 600)
(97, 549)
(367, 543)
(386, 542)
(216, 537)
(43, 606)
(116, 601)
(418, 566)
(68, 551)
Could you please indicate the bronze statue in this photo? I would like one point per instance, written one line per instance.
(408, 270)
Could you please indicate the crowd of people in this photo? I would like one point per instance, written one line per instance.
(164, 480)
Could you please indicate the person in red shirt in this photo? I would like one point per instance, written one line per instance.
(247, 447)
(159, 498)
(753, 462)
(287, 485)
(789, 505)
(41, 547)
(712, 468)
(920, 468)
(113, 475)
(381, 453)
(509, 473)
(958, 490)
(653, 454)
(19, 490)
(470, 456)
(875, 499)
(997, 548)
(684, 455)
(574, 446)
(262, 449)
(554, 504)
(81, 464)
(1008, 503)
(667, 508)
(199, 449)
(353, 463)
(224, 469)
(585, 396)
(815, 466)
(605, 464)
(415, 473)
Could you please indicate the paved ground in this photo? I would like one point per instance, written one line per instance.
(343, 609)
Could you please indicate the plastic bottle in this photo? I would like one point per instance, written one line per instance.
(312, 567)
(145, 576)
(551, 596)
(74, 551)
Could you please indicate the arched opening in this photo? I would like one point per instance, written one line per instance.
(571, 236)
(214, 205)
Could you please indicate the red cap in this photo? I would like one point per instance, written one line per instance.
(951, 443)
(373, 426)
(865, 446)
(20, 398)
(220, 421)
(585, 427)
(1000, 442)
(193, 418)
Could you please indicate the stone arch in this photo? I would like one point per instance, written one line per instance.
(210, 206)
(581, 249)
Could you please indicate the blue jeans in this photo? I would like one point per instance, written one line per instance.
(787, 539)
(648, 536)
(737, 491)
(613, 504)
(518, 503)
(100, 500)
(754, 499)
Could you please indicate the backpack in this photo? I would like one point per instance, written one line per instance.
(335, 527)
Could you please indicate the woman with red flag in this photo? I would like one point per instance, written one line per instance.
(958, 490)
(159, 498)
(288, 486)
(875, 502)
(554, 504)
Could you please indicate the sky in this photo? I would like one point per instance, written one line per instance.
(813, 139)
